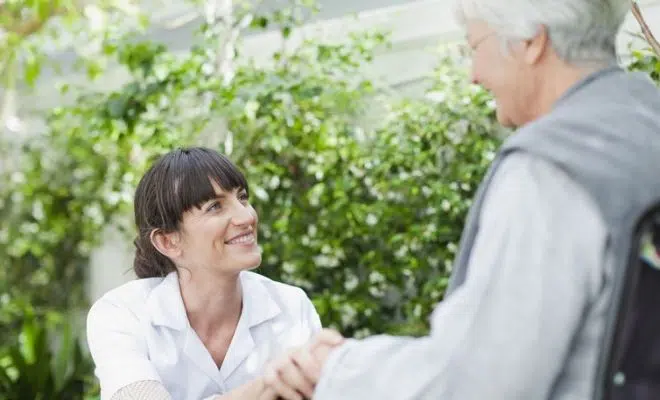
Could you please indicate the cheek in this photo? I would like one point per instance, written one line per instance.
(500, 79)
(254, 213)
(485, 70)
(215, 229)
(221, 226)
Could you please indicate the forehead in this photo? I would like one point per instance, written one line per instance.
(475, 28)
(220, 192)
(197, 211)
(216, 188)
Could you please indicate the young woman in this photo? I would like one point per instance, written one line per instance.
(197, 324)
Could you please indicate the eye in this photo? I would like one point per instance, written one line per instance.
(243, 196)
(215, 205)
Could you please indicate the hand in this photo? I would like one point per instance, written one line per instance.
(253, 390)
(268, 394)
(262, 392)
(295, 375)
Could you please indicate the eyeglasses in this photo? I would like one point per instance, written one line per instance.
(475, 45)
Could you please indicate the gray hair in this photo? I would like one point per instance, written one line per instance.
(580, 31)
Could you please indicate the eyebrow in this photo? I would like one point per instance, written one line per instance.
(214, 198)
(224, 195)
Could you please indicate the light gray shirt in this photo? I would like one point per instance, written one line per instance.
(527, 322)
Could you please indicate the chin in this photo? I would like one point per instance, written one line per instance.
(254, 263)
(503, 119)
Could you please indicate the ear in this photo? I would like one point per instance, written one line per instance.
(168, 244)
(536, 47)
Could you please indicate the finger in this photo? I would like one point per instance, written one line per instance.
(329, 337)
(321, 354)
(292, 376)
(274, 383)
(268, 394)
(309, 365)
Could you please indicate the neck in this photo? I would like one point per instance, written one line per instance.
(212, 302)
(557, 80)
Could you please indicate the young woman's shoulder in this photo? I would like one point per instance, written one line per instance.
(132, 292)
(126, 301)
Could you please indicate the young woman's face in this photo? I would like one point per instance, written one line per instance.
(221, 235)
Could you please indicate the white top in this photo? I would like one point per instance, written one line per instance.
(140, 331)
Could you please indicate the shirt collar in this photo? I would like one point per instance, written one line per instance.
(258, 307)
(166, 308)
(258, 303)
(165, 305)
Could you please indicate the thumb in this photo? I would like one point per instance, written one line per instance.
(328, 337)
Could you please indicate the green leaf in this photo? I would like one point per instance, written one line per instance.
(260, 22)
(62, 362)
(32, 68)
(286, 31)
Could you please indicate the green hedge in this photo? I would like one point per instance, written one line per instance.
(368, 224)
(364, 216)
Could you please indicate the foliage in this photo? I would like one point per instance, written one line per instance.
(367, 223)
(48, 363)
(365, 218)
(78, 178)
(29, 28)
(54, 219)
(645, 60)
(80, 175)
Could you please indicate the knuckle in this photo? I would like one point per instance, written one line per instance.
(270, 377)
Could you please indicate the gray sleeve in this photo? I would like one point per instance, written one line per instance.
(506, 332)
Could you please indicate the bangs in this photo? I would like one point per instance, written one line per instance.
(187, 181)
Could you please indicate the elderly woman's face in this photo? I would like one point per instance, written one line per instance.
(499, 72)
(221, 235)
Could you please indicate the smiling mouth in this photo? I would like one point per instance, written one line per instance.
(247, 238)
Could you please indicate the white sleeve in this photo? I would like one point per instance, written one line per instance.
(310, 317)
(143, 390)
(149, 390)
(117, 345)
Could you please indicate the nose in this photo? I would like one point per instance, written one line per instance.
(474, 78)
(242, 214)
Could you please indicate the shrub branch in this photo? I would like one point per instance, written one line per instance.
(646, 31)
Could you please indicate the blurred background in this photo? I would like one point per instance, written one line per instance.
(354, 120)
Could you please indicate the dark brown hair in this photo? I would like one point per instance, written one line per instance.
(178, 181)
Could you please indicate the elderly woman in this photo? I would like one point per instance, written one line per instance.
(197, 323)
(534, 309)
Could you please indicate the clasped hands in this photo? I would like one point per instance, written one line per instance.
(294, 375)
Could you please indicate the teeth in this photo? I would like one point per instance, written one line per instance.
(249, 238)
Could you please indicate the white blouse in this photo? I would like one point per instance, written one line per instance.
(140, 332)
